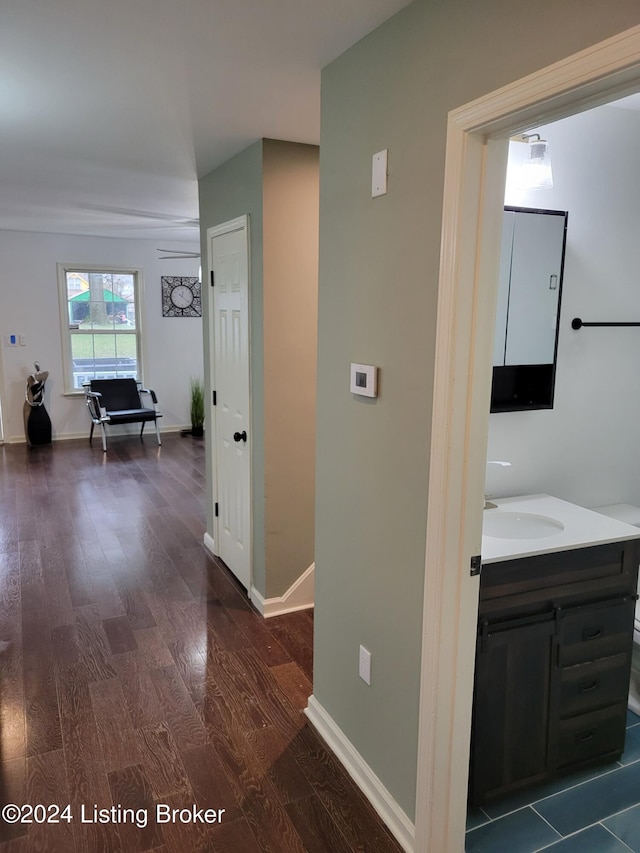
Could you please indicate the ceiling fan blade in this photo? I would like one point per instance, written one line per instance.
(177, 257)
(187, 252)
(184, 221)
(177, 254)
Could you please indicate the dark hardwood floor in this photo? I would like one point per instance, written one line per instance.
(134, 672)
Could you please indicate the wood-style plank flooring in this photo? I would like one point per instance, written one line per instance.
(134, 672)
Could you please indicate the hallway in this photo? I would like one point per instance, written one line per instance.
(134, 672)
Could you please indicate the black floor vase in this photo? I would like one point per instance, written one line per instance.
(39, 426)
(37, 423)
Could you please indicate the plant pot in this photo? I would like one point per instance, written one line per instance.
(197, 431)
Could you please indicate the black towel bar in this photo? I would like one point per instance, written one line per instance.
(577, 323)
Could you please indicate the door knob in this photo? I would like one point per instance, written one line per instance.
(240, 436)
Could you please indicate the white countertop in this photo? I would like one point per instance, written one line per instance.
(582, 528)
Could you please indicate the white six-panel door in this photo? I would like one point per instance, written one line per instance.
(228, 253)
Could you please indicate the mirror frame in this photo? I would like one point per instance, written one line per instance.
(528, 387)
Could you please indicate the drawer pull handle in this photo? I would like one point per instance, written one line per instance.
(585, 737)
(591, 633)
(589, 687)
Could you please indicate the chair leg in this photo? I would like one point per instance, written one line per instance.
(91, 433)
(141, 430)
(104, 438)
(158, 432)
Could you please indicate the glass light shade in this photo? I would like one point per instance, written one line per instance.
(535, 172)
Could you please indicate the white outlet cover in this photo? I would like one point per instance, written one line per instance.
(364, 380)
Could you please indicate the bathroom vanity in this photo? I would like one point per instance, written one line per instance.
(555, 634)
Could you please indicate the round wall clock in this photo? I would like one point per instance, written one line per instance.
(181, 296)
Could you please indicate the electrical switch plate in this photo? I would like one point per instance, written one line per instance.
(23, 340)
(364, 665)
(364, 380)
(379, 174)
(10, 340)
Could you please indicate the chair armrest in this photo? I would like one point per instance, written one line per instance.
(92, 398)
(149, 391)
(154, 399)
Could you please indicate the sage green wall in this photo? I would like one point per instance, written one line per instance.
(290, 289)
(235, 189)
(379, 263)
(276, 183)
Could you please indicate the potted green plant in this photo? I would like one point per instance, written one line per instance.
(197, 406)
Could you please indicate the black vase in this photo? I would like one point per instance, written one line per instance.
(39, 426)
(37, 423)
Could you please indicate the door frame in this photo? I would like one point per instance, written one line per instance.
(475, 167)
(2, 398)
(239, 223)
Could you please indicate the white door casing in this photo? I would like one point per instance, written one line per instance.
(2, 397)
(230, 376)
(476, 157)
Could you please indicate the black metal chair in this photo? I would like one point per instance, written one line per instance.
(119, 401)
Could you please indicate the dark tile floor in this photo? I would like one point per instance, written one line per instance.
(597, 811)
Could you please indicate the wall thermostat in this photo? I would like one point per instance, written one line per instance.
(364, 380)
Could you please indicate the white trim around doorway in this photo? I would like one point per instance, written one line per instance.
(476, 156)
(212, 539)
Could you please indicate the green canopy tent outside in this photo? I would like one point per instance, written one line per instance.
(79, 304)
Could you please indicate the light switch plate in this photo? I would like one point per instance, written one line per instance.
(364, 380)
(364, 665)
(379, 174)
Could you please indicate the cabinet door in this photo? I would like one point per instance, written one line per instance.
(536, 270)
(512, 700)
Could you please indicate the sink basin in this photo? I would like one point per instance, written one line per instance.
(519, 525)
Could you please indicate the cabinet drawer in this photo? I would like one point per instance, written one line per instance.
(595, 684)
(588, 736)
(596, 631)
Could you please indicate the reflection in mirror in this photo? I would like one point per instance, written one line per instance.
(528, 310)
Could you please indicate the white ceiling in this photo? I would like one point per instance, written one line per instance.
(110, 109)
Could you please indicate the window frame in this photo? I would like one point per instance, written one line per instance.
(65, 331)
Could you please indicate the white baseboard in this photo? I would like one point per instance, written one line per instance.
(299, 596)
(391, 813)
(73, 436)
(67, 436)
(209, 544)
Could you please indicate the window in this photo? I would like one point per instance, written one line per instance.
(100, 321)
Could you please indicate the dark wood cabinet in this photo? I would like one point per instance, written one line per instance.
(511, 713)
(553, 659)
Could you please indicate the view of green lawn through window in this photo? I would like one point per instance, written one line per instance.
(102, 324)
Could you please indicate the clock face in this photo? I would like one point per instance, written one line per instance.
(181, 296)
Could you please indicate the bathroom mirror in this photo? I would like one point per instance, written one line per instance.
(528, 310)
